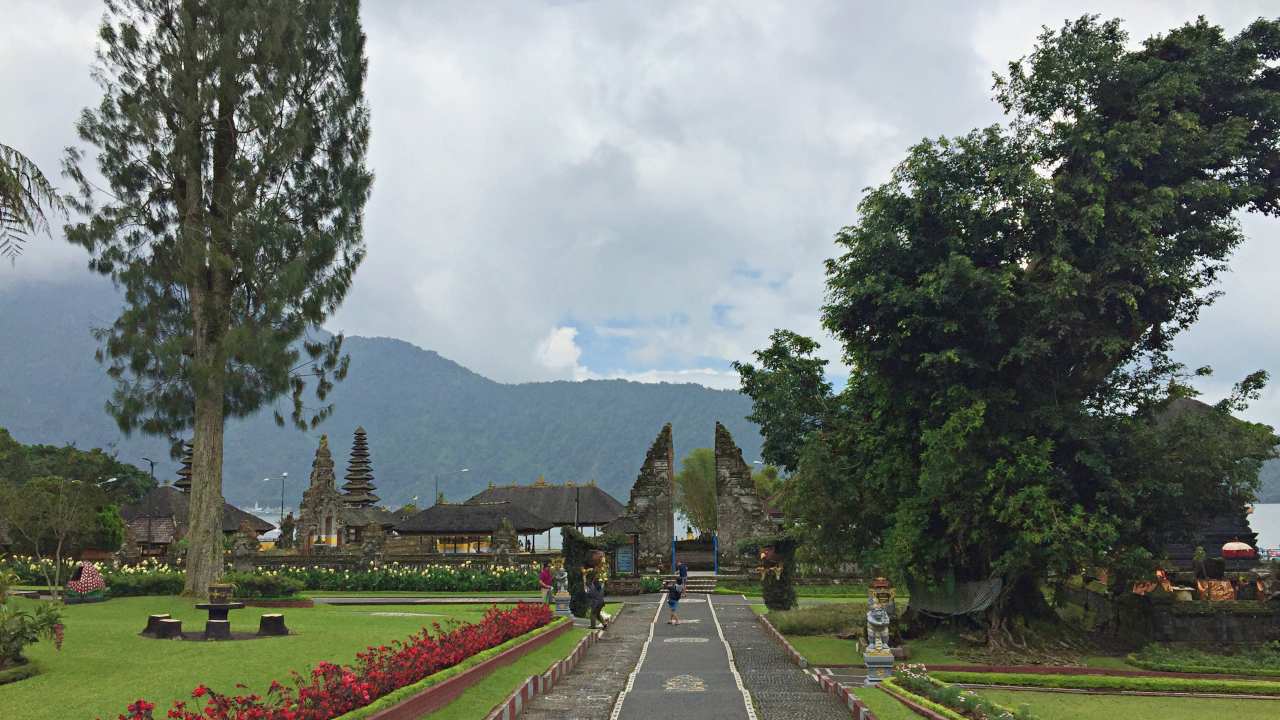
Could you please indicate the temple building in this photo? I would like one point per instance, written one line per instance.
(159, 519)
(472, 527)
(331, 517)
(567, 505)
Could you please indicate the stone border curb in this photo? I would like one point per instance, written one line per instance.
(795, 655)
(536, 685)
(856, 708)
(437, 696)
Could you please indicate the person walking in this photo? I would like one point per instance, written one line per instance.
(683, 571)
(673, 600)
(594, 588)
(544, 582)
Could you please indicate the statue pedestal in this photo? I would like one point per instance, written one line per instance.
(562, 604)
(879, 665)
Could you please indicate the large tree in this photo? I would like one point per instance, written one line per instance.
(231, 139)
(696, 489)
(1007, 303)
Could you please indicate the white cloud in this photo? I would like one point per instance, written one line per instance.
(559, 350)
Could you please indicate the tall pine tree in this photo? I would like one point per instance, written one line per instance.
(231, 137)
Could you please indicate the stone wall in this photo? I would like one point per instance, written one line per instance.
(651, 506)
(740, 514)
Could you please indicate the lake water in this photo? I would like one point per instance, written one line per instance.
(1265, 521)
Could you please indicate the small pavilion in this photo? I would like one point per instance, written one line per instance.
(567, 505)
(470, 527)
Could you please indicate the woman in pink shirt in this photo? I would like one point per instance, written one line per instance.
(544, 581)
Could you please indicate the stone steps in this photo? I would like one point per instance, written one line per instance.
(704, 584)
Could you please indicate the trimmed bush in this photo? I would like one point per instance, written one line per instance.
(1111, 682)
(269, 586)
(1262, 660)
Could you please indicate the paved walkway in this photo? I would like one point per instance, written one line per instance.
(686, 671)
(588, 693)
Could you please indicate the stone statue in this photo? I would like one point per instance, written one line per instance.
(561, 580)
(881, 610)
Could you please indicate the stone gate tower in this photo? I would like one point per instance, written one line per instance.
(739, 512)
(650, 509)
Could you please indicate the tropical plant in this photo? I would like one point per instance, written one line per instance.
(696, 489)
(20, 628)
(231, 138)
(25, 197)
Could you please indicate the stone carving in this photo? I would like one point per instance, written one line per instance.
(321, 506)
(358, 490)
(244, 547)
(505, 543)
(740, 514)
(651, 505)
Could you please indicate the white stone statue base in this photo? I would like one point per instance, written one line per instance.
(879, 665)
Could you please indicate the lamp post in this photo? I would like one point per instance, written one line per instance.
(283, 476)
(152, 463)
(436, 501)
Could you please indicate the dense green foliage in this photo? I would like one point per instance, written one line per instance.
(1112, 682)
(423, 412)
(19, 463)
(1236, 659)
(777, 581)
(269, 585)
(1007, 302)
(696, 489)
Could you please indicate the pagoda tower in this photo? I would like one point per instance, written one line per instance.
(358, 490)
(184, 472)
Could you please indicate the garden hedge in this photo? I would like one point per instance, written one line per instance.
(1111, 682)
(1200, 669)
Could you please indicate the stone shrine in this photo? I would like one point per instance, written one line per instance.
(649, 511)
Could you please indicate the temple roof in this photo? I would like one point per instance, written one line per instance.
(555, 503)
(472, 518)
(167, 502)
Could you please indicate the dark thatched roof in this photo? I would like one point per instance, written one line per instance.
(369, 516)
(555, 503)
(472, 518)
(625, 525)
(169, 503)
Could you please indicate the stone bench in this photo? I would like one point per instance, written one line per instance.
(217, 630)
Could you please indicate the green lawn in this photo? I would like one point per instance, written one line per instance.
(825, 650)
(883, 705)
(480, 698)
(104, 664)
(422, 594)
(1070, 706)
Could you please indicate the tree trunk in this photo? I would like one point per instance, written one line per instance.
(204, 518)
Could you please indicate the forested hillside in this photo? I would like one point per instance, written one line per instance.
(424, 413)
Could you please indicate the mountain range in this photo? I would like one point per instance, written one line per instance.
(425, 414)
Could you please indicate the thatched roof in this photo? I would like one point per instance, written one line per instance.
(162, 511)
(369, 516)
(555, 503)
(472, 519)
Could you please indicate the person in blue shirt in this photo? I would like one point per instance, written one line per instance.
(673, 599)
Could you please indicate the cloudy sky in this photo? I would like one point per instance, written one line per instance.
(569, 190)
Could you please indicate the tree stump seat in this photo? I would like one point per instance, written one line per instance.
(217, 630)
(153, 624)
(168, 628)
(272, 624)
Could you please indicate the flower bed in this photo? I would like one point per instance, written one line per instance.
(155, 578)
(947, 700)
(332, 690)
(1111, 682)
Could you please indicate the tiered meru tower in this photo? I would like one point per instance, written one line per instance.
(358, 490)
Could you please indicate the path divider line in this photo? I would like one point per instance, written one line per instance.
(631, 679)
(733, 667)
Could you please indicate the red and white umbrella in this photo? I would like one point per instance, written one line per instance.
(1237, 549)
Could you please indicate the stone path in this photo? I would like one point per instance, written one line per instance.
(588, 693)
(686, 671)
(780, 689)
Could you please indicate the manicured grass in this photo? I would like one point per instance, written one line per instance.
(422, 594)
(883, 705)
(825, 650)
(480, 698)
(104, 664)
(1067, 706)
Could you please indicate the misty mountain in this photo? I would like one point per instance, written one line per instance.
(424, 413)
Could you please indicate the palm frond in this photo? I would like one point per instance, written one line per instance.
(25, 196)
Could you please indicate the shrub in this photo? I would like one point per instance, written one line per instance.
(125, 582)
(829, 619)
(254, 586)
(1111, 682)
(1261, 659)
(958, 701)
(331, 690)
(650, 584)
(19, 628)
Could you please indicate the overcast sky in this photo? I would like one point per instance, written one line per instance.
(568, 190)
